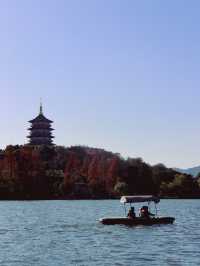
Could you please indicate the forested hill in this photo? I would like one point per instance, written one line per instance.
(27, 172)
(194, 171)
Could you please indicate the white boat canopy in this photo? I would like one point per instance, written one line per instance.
(132, 199)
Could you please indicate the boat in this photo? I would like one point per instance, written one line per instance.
(138, 220)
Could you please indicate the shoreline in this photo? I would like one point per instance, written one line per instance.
(86, 199)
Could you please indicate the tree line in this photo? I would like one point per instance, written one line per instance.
(79, 172)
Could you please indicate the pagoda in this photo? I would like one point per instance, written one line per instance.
(40, 130)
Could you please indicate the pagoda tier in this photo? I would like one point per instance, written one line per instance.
(44, 127)
(40, 130)
(40, 141)
(38, 134)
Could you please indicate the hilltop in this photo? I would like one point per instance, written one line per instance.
(57, 172)
(194, 171)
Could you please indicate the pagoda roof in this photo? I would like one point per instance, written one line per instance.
(40, 118)
(41, 128)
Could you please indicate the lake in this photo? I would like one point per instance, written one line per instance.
(51, 233)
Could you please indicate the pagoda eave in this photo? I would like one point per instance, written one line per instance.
(40, 118)
(50, 129)
(51, 137)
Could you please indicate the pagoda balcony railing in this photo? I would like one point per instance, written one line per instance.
(41, 143)
(41, 128)
(40, 131)
(40, 136)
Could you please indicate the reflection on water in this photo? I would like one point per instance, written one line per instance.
(68, 233)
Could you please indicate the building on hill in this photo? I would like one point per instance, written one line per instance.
(40, 130)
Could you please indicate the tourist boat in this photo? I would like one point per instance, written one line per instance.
(138, 220)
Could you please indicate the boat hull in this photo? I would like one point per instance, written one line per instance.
(137, 221)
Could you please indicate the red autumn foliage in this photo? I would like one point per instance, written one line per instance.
(28, 172)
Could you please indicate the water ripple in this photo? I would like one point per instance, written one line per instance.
(49, 233)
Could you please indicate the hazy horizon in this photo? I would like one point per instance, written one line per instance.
(122, 76)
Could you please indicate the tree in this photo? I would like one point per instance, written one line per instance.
(182, 186)
(121, 188)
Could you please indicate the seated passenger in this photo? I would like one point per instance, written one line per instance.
(144, 212)
(131, 213)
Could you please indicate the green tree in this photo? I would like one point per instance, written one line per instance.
(121, 188)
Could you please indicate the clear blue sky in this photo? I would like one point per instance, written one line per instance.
(121, 75)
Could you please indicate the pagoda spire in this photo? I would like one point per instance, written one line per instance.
(41, 107)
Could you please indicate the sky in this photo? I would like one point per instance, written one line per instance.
(112, 74)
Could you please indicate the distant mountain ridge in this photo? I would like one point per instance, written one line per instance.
(194, 171)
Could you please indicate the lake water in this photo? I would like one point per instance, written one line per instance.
(52, 233)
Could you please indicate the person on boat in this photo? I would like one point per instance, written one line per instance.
(144, 213)
(131, 213)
